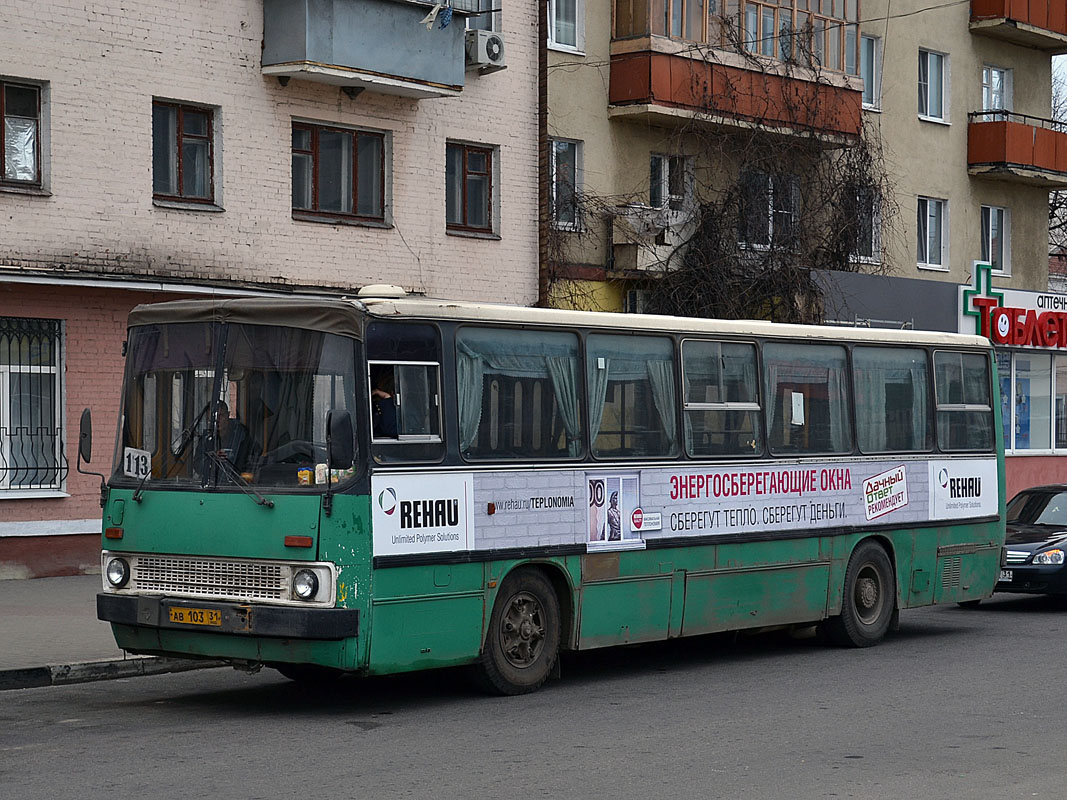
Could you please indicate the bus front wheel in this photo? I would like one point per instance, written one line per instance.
(522, 644)
(868, 599)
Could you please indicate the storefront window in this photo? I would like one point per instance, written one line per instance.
(1033, 401)
(1061, 401)
(1004, 377)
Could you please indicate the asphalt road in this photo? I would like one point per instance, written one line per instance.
(957, 704)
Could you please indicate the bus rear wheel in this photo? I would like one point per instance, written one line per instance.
(522, 644)
(868, 600)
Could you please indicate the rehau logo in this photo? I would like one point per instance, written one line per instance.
(387, 501)
(429, 513)
(964, 487)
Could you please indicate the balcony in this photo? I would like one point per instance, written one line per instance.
(1040, 24)
(364, 44)
(1017, 148)
(776, 67)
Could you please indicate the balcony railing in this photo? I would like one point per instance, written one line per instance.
(1018, 148)
(740, 63)
(1040, 24)
(791, 31)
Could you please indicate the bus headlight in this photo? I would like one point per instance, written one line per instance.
(1049, 557)
(118, 572)
(305, 584)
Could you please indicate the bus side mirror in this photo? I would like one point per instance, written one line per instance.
(85, 437)
(341, 450)
(85, 452)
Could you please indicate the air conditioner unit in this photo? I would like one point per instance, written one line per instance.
(485, 51)
(636, 223)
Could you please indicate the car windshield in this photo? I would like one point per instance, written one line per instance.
(1039, 508)
(207, 404)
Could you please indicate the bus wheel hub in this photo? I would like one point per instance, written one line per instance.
(867, 592)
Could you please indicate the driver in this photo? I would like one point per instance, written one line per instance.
(232, 441)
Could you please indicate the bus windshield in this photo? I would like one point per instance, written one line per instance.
(214, 404)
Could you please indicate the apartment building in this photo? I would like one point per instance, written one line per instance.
(654, 114)
(158, 150)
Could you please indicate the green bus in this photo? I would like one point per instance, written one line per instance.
(392, 483)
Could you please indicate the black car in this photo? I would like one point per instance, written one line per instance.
(1037, 542)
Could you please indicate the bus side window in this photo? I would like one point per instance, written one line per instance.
(630, 384)
(404, 396)
(808, 398)
(892, 391)
(722, 412)
(519, 394)
(964, 412)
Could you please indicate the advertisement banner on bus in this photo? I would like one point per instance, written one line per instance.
(421, 513)
(613, 510)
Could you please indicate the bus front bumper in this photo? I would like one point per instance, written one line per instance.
(286, 622)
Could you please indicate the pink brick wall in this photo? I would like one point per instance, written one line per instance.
(104, 62)
(94, 329)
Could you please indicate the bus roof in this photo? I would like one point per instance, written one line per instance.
(459, 311)
(338, 316)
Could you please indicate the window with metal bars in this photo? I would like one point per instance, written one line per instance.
(31, 427)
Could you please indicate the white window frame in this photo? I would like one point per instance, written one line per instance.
(875, 209)
(57, 370)
(989, 94)
(872, 89)
(988, 212)
(925, 111)
(494, 16)
(676, 205)
(922, 235)
(773, 210)
(576, 224)
(579, 28)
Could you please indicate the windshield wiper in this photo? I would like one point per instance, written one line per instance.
(235, 478)
(189, 435)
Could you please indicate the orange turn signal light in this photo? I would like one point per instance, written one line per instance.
(112, 533)
(299, 541)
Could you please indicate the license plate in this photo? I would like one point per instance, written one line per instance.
(196, 616)
(1005, 576)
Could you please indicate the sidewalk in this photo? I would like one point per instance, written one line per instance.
(49, 634)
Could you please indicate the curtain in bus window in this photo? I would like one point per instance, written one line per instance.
(598, 370)
(533, 409)
(661, 378)
(807, 398)
(469, 374)
(564, 372)
(891, 399)
(631, 395)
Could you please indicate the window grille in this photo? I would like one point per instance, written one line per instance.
(31, 388)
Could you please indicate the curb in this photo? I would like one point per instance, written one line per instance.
(87, 671)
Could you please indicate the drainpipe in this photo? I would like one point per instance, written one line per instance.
(543, 176)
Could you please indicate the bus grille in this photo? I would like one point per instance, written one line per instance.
(950, 577)
(237, 580)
